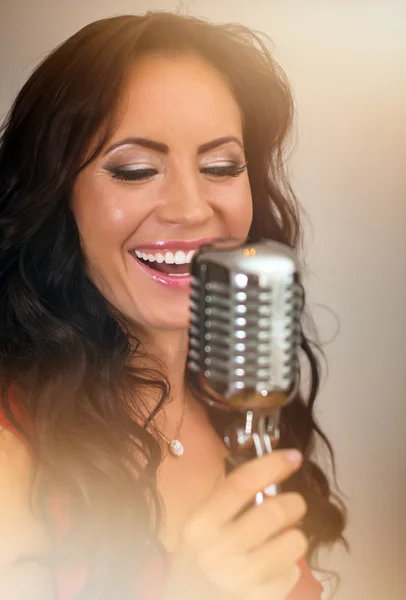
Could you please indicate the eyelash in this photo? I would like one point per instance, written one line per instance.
(228, 171)
(133, 174)
(142, 174)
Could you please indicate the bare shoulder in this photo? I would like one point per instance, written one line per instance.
(21, 533)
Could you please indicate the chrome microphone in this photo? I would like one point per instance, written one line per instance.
(244, 338)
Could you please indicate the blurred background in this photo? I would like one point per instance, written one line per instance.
(346, 61)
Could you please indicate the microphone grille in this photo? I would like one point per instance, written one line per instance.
(244, 334)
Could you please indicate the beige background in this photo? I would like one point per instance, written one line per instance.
(346, 60)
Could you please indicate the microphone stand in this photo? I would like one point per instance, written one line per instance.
(255, 431)
(253, 434)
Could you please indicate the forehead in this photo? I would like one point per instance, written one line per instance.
(177, 97)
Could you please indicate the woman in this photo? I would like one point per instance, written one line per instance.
(131, 144)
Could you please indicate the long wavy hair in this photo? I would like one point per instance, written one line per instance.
(70, 355)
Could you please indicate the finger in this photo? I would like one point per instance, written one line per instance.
(228, 577)
(276, 557)
(277, 588)
(259, 523)
(271, 570)
(241, 486)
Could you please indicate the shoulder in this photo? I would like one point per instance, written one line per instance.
(21, 533)
(14, 406)
(16, 516)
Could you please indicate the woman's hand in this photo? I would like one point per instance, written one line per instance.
(225, 553)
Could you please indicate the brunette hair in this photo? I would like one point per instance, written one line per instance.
(70, 356)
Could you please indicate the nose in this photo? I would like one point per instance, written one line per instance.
(184, 203)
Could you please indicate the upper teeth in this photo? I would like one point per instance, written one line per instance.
(178, 258)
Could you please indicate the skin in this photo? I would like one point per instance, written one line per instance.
(182, 103)
(185, 103)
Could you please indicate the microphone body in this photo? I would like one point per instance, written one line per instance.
(244, 337)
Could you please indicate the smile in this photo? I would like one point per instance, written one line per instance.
(175, 263)
(168, 263)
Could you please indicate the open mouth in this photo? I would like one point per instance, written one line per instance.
(173, 264)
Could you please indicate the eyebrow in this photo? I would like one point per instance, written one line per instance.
(164, 149)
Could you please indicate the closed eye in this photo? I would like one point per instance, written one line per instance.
(224, 171)
(126, 174)
(131, 174)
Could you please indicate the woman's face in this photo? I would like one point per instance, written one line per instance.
(172, 176)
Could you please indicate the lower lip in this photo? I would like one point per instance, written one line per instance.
(175, 283)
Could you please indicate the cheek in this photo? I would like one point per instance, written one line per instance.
(237, 209)
(103, 218)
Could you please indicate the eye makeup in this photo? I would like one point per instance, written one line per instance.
(132, 173)
(126, 165)
(230, 170)
(132, 164)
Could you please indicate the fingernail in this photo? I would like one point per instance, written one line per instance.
(294, 456)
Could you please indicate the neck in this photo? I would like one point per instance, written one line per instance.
(166, 352)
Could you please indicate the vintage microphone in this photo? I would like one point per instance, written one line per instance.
(244, 338)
